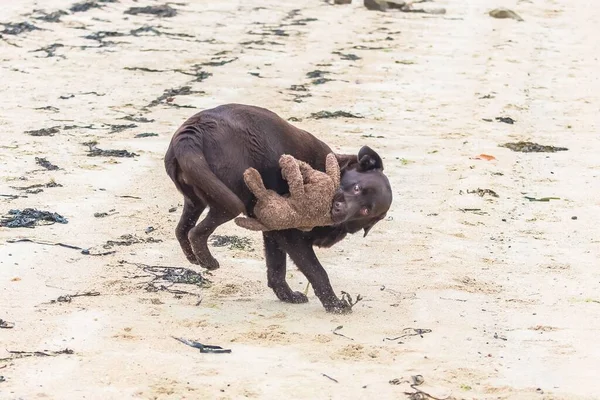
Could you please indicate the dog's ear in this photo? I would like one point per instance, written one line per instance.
(368, 160)
(372, 224)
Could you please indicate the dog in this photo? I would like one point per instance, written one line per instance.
(206, 160)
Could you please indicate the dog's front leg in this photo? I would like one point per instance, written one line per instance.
(276, 266)
(303, 255)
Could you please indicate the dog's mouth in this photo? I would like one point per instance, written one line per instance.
(339, 209)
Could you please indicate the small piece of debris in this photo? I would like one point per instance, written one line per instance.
(68, 246)
(219, 63)
(137, 119)
(530, 147)
(50, 49)
(29, 217)
(48, 108)
(69, 297)
(333, 114)
(45, 353)
(349, 56)
(483, 192)
(348, 299)
(6, 325)
(506, 120)
(407, 332)
(128, 240)
(84, 6)
(105, 214)
(18, 28)
(486, 157)
(204, 348)
(169, 94)
(299, 88)
(149, 229)
(502, 13)
(51, 17)
(542, 198)
(144, 135)
(316, 74)
(163, 11)
(42, 162)
(96, 152)
(37, 188)
(121, 128)
(163, 278)
(44, 131)
(320, 81)
(335, 332)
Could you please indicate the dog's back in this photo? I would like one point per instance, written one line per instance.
(209, 153)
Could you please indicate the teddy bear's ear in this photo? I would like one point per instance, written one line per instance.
(369, 160)
(346, 160)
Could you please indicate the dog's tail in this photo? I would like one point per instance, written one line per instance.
(187, 152)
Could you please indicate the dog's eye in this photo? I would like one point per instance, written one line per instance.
(364, 211)
(357, 188)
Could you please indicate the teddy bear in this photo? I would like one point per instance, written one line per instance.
(308, 204)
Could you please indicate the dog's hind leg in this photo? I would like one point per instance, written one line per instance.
(189, 217)
(198, 236)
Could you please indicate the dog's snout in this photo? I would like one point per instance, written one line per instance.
(337, 205)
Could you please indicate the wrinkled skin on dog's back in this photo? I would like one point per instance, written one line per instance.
(206, 160)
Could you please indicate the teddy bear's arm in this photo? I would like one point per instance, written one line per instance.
(332, 168)
(307, 171)
(290, 171)
(255, 183)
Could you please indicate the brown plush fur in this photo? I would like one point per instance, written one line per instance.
(309, 203)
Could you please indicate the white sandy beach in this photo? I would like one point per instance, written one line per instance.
(510, 291)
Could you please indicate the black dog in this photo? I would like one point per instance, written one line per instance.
(206, 160)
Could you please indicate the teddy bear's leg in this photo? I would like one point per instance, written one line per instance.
(276, 267)
(332, 168)
(309, 174)
(254, 182)
(291, 173)
(250, 223)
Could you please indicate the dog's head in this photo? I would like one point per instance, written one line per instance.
(365, 194)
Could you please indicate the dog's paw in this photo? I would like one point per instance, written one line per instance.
(298, 298)
(192, 259)
(293, 297)
(210, 263)
(338, 307)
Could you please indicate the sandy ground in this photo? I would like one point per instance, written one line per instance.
(509, 292)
